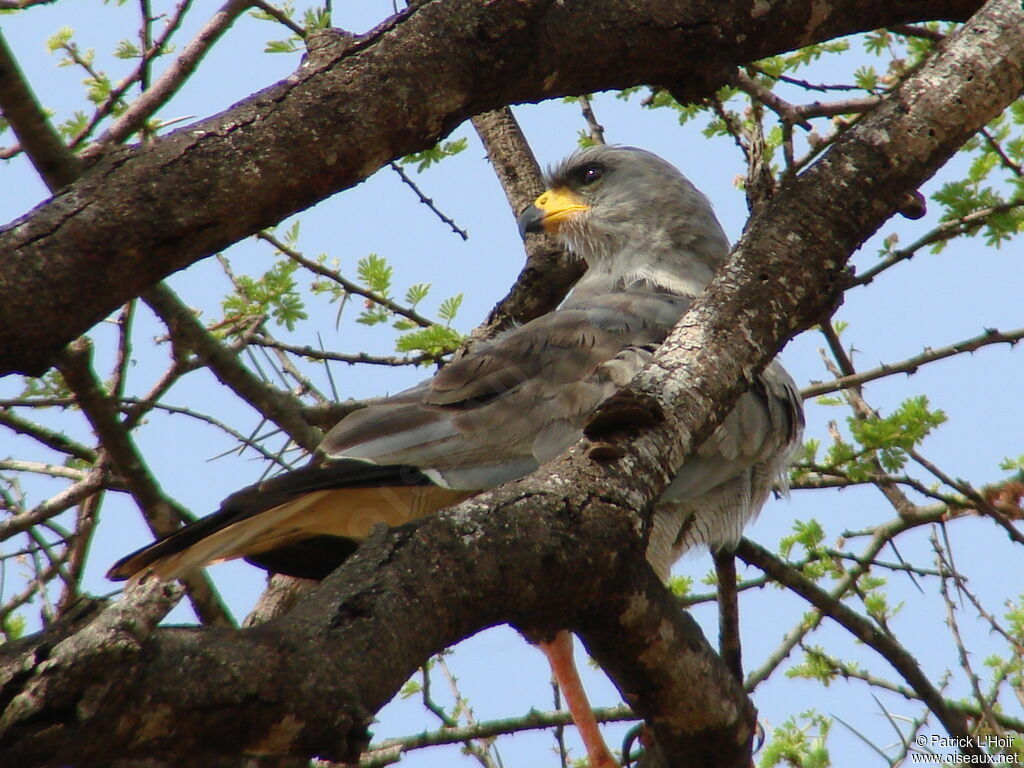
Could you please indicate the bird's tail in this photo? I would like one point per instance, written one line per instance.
(333, 506)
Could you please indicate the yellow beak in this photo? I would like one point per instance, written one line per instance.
(549, 211)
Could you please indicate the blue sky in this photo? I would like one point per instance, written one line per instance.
(931, 301)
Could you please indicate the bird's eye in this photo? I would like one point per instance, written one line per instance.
(591, 173)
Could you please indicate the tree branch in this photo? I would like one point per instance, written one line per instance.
(556, 549)
(280, 407)
(41, 142)
(143, 212)
(173, 77)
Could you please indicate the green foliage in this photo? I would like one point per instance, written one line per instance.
(584, 139)
(375, 273)
(273, 294)
(876, 601)
(866, 77)
(59, 40)
(885, 439)
(1013, 465)
(819, 666)
(436, 340)
(291, 45)
(416, 293)
(98, 89)
(681, 585)
(12, 627)
(892, 436)
(74, 125)
(126, 49)
(809, 537)
(428, 157)
(978, 200)
(449, 308)
(312, 19)
(793, 744)
(410, 689)
(49, 385)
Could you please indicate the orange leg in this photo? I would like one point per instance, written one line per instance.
(559, 653)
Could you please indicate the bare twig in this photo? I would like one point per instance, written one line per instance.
(944, 231)
(53, 506)
(996, 147)
(912, 30)
(17, 5)
(280, 16)
(595, 129)
(161, 512)
(280, 407)
(865, 631)
(728, 613)
(533, 720)
(954, 629)
(52, 439)
(427, 201)
(912, 364)
(549, 271)
(352, 359)
(770, 99)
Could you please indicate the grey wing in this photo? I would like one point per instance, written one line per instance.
(726, 482)
(515, 402)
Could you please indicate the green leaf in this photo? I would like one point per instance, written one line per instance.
(435, 154)
(680, 586)
(375, 273)
(316, 18)
(59, 39)
(892, 436)
(273, 294)
(126, 49)
(866, 77)
(281, 46)
(1013, 465)
(792, 744)
(12, 627)
(416, 293)
(74, 125)
(449, 308)
(435, 340)
(49, 385)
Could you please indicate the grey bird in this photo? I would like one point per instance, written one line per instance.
(651, 242)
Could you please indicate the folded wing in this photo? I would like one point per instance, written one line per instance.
(489, 417)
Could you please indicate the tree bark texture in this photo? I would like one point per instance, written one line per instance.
(560, 548)
(143, 212)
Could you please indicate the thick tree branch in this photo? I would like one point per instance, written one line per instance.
(146, 211)
(173, 77)
(547, 551)
(162, 513)
(57, 166)
(549, 271)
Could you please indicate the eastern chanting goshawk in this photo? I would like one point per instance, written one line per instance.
(650, 242)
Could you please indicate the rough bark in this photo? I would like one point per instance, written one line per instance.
(558, 548)
(141, 213)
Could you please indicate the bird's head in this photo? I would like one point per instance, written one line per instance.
(631, 216)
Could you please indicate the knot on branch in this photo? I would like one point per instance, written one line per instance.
(621, 416)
